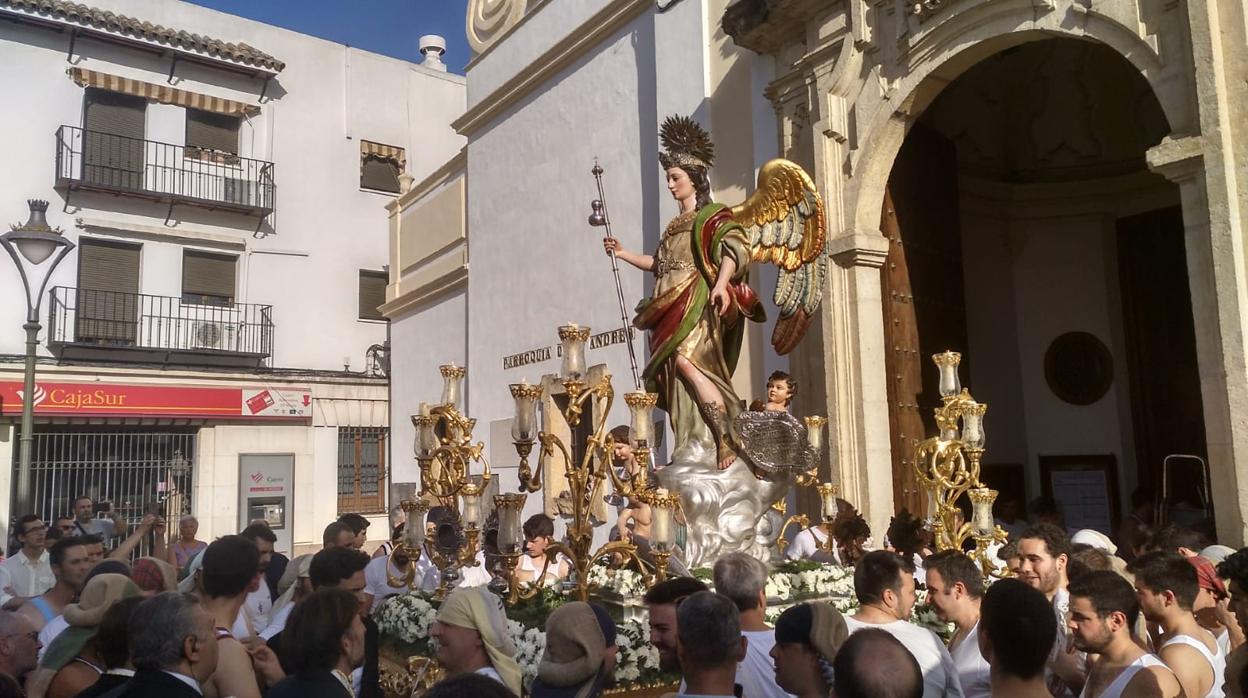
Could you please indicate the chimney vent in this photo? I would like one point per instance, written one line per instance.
(432, 47)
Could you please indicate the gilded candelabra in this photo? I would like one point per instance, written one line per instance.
(445, 452)
(828, 492)
(947, 466)
(584, 476)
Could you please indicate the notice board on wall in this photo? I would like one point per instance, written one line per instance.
(1085, 489)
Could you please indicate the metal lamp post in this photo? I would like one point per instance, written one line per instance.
(35, 241)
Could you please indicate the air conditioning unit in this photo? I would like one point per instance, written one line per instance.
(209, 334)
(239, 191)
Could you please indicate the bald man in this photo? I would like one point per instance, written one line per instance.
(874, 663)
(19, 645)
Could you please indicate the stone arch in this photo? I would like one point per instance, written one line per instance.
(951, 49)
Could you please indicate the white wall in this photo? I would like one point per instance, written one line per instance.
(429, 336)
(1030, 279)
(542, 28)
(215, 500)
(316, 111)
(534, 262)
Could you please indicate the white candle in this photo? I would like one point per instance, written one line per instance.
(472, 510)
(661, 526)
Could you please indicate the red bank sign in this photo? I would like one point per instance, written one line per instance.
(121, 400)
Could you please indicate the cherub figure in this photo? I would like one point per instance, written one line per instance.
(781, 389)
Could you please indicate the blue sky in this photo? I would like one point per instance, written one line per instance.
(390, 27)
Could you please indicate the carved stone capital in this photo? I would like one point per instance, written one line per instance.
(1177, 159)
(859, 248)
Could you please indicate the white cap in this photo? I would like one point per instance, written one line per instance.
(1217, 553)
(1094, 538)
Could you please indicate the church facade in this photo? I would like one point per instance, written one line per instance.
(1052, 188)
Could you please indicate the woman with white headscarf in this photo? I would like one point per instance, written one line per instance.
(472, 637)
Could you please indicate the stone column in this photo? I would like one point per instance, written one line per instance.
(848, 357)
(1215, 272)
(1209, 169)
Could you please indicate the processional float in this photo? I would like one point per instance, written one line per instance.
(730, 469)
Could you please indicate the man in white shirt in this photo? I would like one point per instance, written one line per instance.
(376, 575)
(743, 579)
(807, 542)
(539, 533)
(259, 602)
(1044, 551)
(710, 645)
(955, 589)
(86, 524)
(28, 573)
(884, 584)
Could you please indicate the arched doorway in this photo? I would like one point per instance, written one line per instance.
(1026, 231)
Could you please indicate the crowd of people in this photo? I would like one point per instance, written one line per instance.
(84, 615)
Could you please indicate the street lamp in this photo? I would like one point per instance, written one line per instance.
(35, 241)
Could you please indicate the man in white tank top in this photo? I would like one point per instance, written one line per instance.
(1166, 586)
(1103, 608)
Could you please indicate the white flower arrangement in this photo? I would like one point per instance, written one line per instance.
(625, 582)
(779, 585)
(406, 618)
(638, 660)
(530, 644)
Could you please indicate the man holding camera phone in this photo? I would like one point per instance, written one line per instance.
(87, 524)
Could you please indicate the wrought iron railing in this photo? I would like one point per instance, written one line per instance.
(108, 162)
(142, 321)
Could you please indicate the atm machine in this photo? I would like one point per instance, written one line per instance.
(266, 492)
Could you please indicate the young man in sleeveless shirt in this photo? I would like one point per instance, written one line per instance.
(1103, 609)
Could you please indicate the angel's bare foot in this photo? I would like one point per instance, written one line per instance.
(726, 456)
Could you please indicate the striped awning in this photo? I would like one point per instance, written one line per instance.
(160, 93)
(369, 149)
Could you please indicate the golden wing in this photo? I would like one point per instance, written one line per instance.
(785, 223)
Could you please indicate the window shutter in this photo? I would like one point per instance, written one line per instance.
(372, 294)
(381, 174)
(108, 266)
(112, 146)
(115, 113)
(107, 296)
(211, 131)
(208, 274)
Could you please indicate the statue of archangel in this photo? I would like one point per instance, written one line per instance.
(696, 320)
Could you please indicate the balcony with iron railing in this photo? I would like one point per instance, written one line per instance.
(110, 325)
(105, 162)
